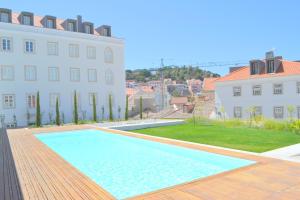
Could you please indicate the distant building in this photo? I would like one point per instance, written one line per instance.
(131, 84)
(267, 86)
(194, 86)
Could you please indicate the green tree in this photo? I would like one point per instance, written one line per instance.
(75, 109)
(111, 116)
(126, 109)
(141, 107)
(291, 110)
(57, 119)
(38, 111)
(94, 108)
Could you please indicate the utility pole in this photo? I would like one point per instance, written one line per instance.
(162, 84)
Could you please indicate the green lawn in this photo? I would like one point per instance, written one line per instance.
(242, 138)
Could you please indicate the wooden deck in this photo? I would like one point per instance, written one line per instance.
(30, 170)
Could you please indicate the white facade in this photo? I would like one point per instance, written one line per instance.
(56, 63)
(266, 102)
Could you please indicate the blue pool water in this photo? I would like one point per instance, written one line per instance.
(127, 166)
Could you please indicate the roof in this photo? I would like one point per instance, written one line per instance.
(209, 84)
(130, 91)
(143, 89)
(286, 68)
(179, 100)
(37, 22)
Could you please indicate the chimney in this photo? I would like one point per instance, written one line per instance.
(79, 23)
(269, 55)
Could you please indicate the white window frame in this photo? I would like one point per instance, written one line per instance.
(277, 88)
(92, 72)
(88, 29)
(50, 23)
(52, 99)
(278, 115)
(12, 101)
(256, 90)
(237, 112)
(108, 55)
(237, 91)
(30, 77)
(50, 78)
(2, 71)
(4, 48)
(73, 50)
(91, 52)
(55, 48)
(91, 98)
(71, 26)
(109, 77)
(31, 101)
(29, 46)
(71, 75)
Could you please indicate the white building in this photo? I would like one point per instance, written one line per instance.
(57, 57)
(268, 87)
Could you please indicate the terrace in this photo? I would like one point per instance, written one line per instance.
(31, 170)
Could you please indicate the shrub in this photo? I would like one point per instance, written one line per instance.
(274, 125)
(38, 111)
(75, 111)
(295, 126)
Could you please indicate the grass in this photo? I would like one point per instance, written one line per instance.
(217, 134)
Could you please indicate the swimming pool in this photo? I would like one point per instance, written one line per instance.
(127, 166)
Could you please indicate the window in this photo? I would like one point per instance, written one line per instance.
(53, 73)
(29, 46)
(26, 20)
(255, 68)
(237, 112)
(298, 112)
(91, 52)
(4, 17)
(9, 101)
(6, 44)
(91, 96)
(109, 77)
(92, 75)
(88, 29)
(257, 111)
(30, 73)
(108, 55)
(75, 74)
(7, 73)
(71, 26)
(298, 87)
(53, 98)
(237, 91)
(52, 48)
(278, 112)
(31, 101)
(256, 90)
(50, 23)
(277, 89)
(73, 50)
(270, 66)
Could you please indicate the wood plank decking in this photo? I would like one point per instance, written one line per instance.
(31, 170)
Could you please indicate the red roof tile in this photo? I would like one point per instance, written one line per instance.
(287, 68)
(209, 84)
(179, 100)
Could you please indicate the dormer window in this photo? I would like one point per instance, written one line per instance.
(26, 20)
(270, 66)
(71, 26)
(87, 29)
(255, 68)
(50, 23)
(5, 15)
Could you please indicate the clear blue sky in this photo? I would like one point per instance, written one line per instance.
(187, 31)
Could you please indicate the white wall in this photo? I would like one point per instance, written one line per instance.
(225, 98)
(64, 87)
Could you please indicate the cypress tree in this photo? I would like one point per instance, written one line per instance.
(126, 109)
(75, 109)
(141, 107)
(94, 108)
(57, 119)
(111, 117)
(38, 111)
